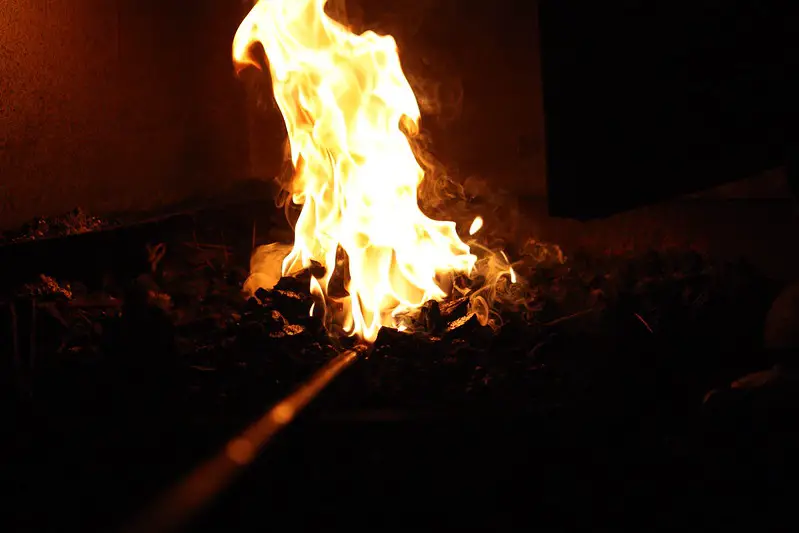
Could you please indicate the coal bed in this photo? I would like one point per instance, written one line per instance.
(120, 384)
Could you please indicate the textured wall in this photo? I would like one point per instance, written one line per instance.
(120, 105)
(116, 105)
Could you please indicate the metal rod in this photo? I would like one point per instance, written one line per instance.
(179, 504)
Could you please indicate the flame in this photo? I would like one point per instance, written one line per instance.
(477, 223)
(348, 107)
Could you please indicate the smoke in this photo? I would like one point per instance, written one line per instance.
(439, 100)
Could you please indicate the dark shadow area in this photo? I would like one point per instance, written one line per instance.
(647, 101)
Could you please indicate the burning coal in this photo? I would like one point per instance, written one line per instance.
(349, 112)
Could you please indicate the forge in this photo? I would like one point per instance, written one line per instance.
(397, 264)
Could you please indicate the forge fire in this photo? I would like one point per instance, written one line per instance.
(349, 110)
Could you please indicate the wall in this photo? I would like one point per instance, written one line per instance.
(116, 105)
(124, 105)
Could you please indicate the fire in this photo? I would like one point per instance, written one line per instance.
(477, 224)
(348, 109)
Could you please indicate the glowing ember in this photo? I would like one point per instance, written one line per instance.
(477, 223)
(343, 98)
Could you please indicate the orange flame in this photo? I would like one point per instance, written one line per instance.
(344, 98)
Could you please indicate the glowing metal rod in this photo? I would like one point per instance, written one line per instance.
(194, 492)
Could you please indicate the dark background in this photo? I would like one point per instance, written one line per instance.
(647, 100)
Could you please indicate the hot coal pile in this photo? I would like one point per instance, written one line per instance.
(620, 334)
(609, 331)
(185, 329)
(582, 406)
(127, 383)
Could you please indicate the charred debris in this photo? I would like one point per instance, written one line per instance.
(591, 323)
